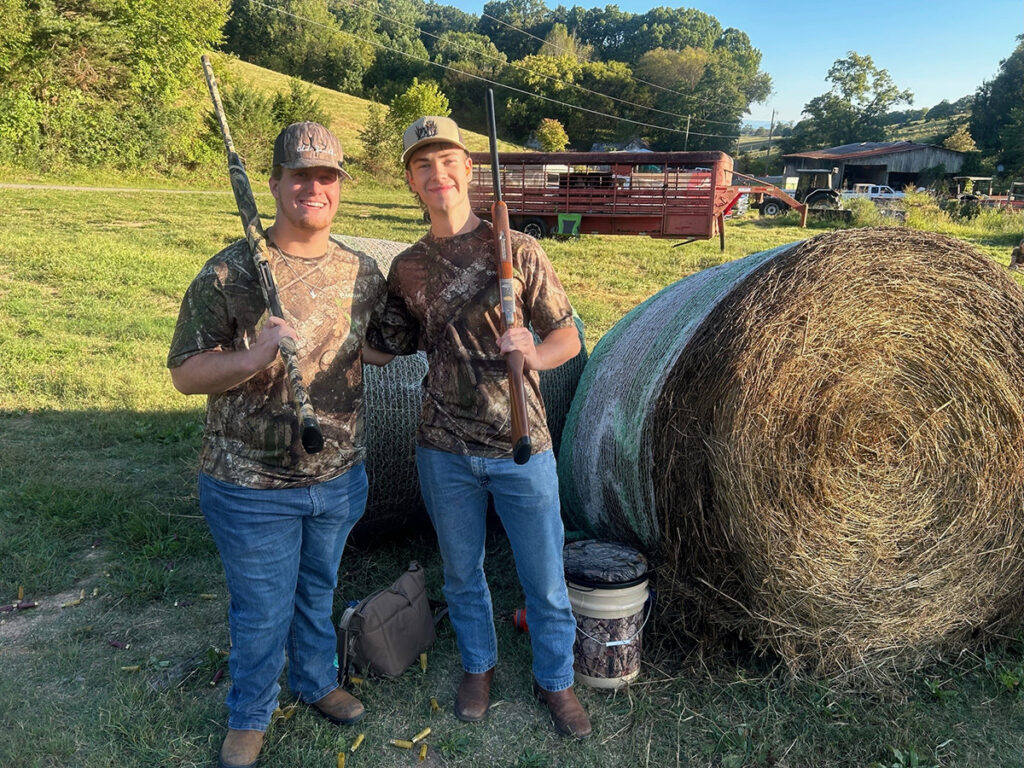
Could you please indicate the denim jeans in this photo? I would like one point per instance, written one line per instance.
(455, 489)
(281, 550)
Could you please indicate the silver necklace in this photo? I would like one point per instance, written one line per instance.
(302, 278)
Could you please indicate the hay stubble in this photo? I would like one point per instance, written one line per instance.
(841, 443)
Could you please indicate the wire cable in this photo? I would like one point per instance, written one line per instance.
(637, 79)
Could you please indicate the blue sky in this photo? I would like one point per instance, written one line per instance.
(939, 49)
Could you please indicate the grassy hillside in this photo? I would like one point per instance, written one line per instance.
(348, 113)
(926, 131)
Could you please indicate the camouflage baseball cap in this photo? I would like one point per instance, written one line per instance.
(430, 130)
(308, 145)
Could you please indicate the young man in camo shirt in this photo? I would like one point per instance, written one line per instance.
(443, 297)
(280, 516)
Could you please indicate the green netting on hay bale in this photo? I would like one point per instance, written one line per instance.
(821, 445)
(393, 400)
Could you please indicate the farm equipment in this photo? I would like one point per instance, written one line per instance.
(814, 190)
(660, 194)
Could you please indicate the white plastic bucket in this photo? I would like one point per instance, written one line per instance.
(609, 632)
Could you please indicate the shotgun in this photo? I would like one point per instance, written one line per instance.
(502, 249)
(311, 435)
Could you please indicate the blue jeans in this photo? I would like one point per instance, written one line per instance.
(281, 550)
(455, 489)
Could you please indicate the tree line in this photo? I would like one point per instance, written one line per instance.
(676, 68)
(117, 83)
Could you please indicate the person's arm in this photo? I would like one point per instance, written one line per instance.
(373, 356)
(218, 370)
(558, 346)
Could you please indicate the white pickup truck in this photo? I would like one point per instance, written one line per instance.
(872, 192)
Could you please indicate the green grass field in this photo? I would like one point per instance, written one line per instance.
(98, 505)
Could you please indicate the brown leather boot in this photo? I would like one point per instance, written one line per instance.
(340, 707)
(566, 711)
(240, 749)
(474, 696)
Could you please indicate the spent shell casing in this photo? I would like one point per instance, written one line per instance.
(358, 742)
(401, 743)
(434, 706)
(421, 735)
(423, 662)
(423, 753)
(341, 760)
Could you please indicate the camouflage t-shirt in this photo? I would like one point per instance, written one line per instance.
(443, 298)
(252, 436)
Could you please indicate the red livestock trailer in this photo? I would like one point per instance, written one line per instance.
(682, 195)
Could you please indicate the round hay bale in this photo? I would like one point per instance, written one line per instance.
(825, 448)
(393, 400)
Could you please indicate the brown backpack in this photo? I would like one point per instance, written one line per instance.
(386, 632)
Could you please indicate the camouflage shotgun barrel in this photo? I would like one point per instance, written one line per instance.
(311, 435)
(521, 447)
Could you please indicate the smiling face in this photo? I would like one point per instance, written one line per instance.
(439, 174)
(307, 199)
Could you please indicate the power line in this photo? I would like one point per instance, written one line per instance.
(636, 79)
(532, 71)
(487, 80)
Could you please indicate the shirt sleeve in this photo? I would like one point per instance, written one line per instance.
(204, 322)
(395, 330)
(545, 303)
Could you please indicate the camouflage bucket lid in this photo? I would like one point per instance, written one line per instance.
(603, 564)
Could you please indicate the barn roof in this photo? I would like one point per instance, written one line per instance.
(866, 149)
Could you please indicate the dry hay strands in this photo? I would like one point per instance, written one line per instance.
(838, 453)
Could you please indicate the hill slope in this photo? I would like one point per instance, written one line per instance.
(348, 113)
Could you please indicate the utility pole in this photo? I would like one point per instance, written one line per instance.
(768, 157)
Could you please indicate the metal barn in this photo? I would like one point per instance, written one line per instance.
(896, 163)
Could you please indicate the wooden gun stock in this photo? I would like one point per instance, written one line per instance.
(311, 435)
(521, 447)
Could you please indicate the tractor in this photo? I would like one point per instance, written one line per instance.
(814, 188)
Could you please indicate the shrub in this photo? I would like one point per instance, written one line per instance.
(551, 135)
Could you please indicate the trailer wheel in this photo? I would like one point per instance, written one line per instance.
(773, 208)
(535, 228)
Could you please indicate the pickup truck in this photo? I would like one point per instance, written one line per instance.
(872, 192)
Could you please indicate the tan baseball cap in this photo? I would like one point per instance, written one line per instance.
(431, 129)
(309, 145)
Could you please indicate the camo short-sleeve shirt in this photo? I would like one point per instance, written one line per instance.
(443, 298)
(252, 436)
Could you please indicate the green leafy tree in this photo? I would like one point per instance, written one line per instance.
(379, 147)
(469, 57)
(298, 105)
(104, 82)
(664, 27)
(995, 100)
(602, 28)
(559, 42)
(382, 136)
(529, 15)
(406, 55)
(441, 19)
(853, 109)
(16, 33)
(961, 141)
(551, 135)
(317, 52)
(1011, 139)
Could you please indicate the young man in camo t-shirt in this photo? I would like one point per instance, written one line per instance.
(443, 297)
(280, 516)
